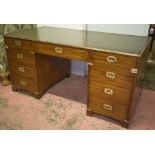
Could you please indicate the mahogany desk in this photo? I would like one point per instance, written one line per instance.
(41, 57)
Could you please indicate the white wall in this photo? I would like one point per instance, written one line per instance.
(131, 29)
(69, 26)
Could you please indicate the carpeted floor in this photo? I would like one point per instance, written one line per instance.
(64, 107)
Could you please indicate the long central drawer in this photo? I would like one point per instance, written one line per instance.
(62, 51)
(112, 109)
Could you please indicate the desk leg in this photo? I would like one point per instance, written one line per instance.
(68, 75)
(14, 89)
(89, 113)
(125, 125)
(37, 95)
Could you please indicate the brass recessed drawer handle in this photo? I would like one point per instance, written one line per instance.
(134, 70)
(21, 69)
(18, 43)
(58, 50)
(23, 83)
(108, 91)
(107, 107)
(112, 59)
(6, 47)
(90, 64)
(110, 75)
(19, 56)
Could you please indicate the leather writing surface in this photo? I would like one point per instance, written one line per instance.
(124, 44)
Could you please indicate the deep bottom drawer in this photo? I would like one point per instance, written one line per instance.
(24, 84)
(107, 108)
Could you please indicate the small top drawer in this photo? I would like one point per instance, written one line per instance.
(112, 60)
(62, 51)
(19, 56)
(18, 43)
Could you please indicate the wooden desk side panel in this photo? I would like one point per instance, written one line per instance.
(138, 80)
(50, 70)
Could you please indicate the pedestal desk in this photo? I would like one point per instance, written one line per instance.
(41, 57)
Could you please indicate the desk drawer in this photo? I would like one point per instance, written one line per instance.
(24, 84)
(112, 77)
(109, 92)
(18, 43)
(21, 56)
(17, 70)
(112, 109)
(113, 60)
(61, 51)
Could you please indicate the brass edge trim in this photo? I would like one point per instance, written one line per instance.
(126, 121)
(6, 47)
(89, 109)
(36, 93)
(32, 52)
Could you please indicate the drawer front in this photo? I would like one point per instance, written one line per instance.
(24, 84)
(112, 109)
(61, 51)
(21, 56)
(102, 67)
(17, 70)
(109, 92)
(112, 77)
(113, 60)
(17, 43)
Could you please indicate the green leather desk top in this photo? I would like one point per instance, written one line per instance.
(98, 41)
